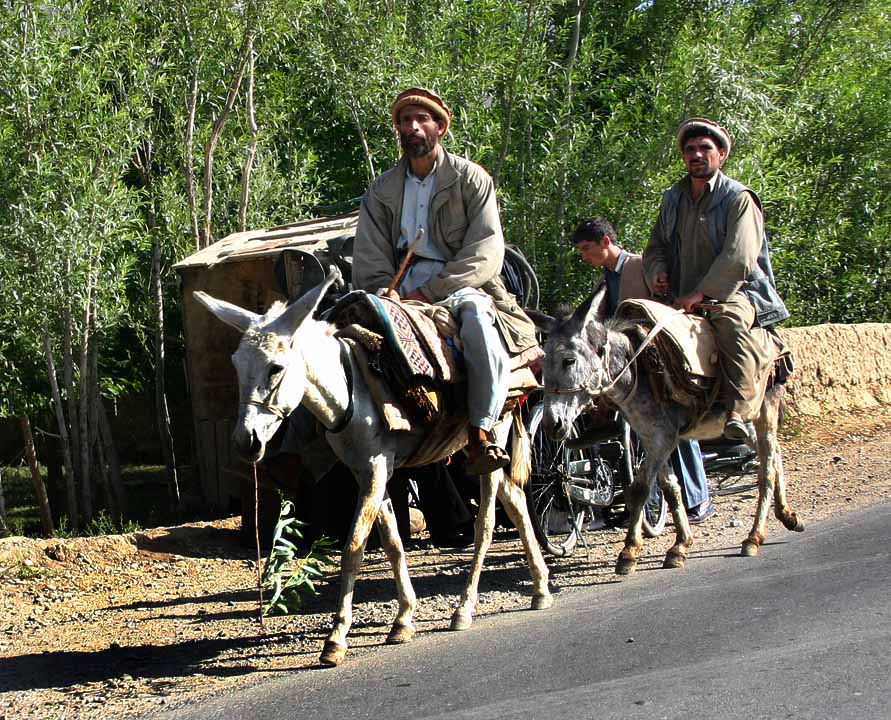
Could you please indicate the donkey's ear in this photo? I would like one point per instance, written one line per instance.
(544, 323)
(288, 322)
(597, 305)
(232, 315)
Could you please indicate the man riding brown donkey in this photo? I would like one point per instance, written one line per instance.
(455, 262)
(708, 246)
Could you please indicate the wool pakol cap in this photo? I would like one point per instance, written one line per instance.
(424, 98)
(705, 127)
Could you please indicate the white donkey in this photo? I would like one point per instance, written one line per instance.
(588, 358)
(286, 358)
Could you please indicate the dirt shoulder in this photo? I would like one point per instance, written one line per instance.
(116, 626)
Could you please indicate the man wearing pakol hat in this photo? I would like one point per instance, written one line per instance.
(709, 245)
(456, 263)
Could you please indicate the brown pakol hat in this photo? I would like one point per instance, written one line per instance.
(424, 98)
(705, 127)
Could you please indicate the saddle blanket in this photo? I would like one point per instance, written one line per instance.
(413, 371)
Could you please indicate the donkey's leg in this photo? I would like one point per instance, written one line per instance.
(771, 480)
(372, 485)
(403, 628)
(482, 538)
(514, 501)
(636, 495)
(785, 514)
(676, 556)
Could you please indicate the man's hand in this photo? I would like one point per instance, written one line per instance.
(394, 295)
(689, 301)
(389, 294)
(660, 283)
(416, 295)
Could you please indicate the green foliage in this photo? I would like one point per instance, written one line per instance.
(288, 573)
(24, 570)
(89, 88)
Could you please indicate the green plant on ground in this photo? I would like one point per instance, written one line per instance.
(23, 569)
(288, 572)
(102, 524)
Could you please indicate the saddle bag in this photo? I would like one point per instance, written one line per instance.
(682, 359)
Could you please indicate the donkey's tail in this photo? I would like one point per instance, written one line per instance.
(520, 451)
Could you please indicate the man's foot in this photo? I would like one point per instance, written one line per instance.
(701, 512)
(735, 427)
(485, 457)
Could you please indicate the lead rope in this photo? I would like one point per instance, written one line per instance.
(257, 541)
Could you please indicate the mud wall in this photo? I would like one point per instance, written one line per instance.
(838, 366)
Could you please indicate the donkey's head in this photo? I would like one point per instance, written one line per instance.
(576, 362)
(269, 362)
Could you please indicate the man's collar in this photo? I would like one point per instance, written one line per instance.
(710, 183)
(620, 261)
(437, 162)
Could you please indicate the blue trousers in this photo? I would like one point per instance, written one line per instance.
(686, 462)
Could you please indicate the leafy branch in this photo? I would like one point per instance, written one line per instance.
(287, 574)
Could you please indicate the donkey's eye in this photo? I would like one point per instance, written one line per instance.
(274, 370)
(568, 362)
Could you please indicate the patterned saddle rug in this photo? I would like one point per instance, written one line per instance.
(410, 363)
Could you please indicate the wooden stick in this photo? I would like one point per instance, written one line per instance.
(404, 264)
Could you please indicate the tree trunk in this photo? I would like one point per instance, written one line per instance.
(4, 528)
(369, 161)
(46, 517)
(70, 482)
(252, 148)
(217, 130)
(162, 415)
(189, 132)
(86, 483)
(112, 460)
(71, 395)
(566, 131)
(188, 173)
(508, 103)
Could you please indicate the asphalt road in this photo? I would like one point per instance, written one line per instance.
(802, 631)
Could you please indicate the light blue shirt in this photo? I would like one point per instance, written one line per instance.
(428, 260)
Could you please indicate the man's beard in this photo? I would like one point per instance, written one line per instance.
(416, 147)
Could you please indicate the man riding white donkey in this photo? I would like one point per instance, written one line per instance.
(707, 252)
(287, 358)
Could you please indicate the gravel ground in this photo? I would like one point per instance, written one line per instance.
(116, 626)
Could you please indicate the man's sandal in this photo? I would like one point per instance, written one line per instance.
(484, 458)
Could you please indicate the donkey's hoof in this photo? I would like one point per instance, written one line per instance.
(461, 620)
(400, 633)
(749, 548)
(625, 566)
(542, 602)
(674, 560)
(333, 653)
(799, 525)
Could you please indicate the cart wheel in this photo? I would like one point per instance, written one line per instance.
(656, 508)
(556, 518)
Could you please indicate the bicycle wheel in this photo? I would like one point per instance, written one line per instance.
(656, 508)
(556, 518)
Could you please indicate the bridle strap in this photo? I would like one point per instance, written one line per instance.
(270, 404)
(348, 372)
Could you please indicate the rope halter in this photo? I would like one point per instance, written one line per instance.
(602, 389)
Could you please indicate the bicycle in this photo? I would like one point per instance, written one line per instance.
(571, 480)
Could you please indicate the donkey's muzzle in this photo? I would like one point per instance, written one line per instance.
(248, 444)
